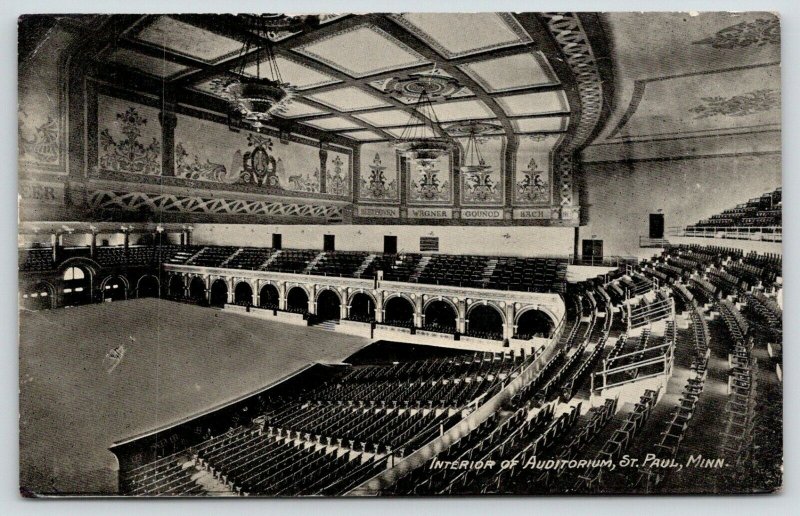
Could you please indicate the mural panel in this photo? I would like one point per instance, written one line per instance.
(208, 151)
(379, 177)
(430, 182)
(129, 137)
(39, 111)
(533, 177)
(485, 186)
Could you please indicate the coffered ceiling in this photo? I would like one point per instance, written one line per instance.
(352, 74)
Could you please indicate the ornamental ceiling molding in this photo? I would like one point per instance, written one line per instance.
(573, 42)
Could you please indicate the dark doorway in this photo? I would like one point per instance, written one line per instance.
(269, 297)
(147, 287)
(197, 290)
(534, 323)
(362, 308)
(297, 301)
(329, 243)
(175, 287)
(592, 250)
(243, 294)
(328, 306)
(390, 244)
(485, 322)
(219, 293)
(656, 225)
(440, 316)
(113, 289)
(277, 241)
(39, 297)
(399, 311)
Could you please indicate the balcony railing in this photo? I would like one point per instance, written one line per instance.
(757, 233)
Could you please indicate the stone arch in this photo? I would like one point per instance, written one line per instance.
(362, 306)
(114, 290)
(78, 277)
(197, 289)
(399, 310)
(38, 296)
(440, 315)
(297, 299)
(175, 286)
(243, 293)
(148, 286)
(219, 292)
(485, 320)
(533, 321)
(269, 296)
(329, 304)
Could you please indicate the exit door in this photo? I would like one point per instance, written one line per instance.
(656, 225)
(592, 250)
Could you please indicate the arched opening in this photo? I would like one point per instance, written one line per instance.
(297, 301)
(175, 287)
(113, 288)
(534, 323)
(77, 287)
(328, 306)
(243, 294)
(37, 297)
(486, 322)
(197, 290)
(147, 286)
(362, 308)
(399, 311)
(219, 293)
(440, 317)
(269, 297)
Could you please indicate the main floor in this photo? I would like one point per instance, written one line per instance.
(179, 360)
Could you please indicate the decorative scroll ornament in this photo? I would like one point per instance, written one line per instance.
(533, 187)
(195, 169)
(129, 154)
(429, 187)
(435, 84)
(750, 103)
(43, 146)
(336, 180)
(260, 167)
(758, 33)
(377, 187)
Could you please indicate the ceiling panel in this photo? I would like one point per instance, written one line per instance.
(512, 72)
(462, 110)
(333, 123)
(417, 131)
(188, 40)
(300, 76)
(538, 103)
(145, 63)
(363, 136)
(386, 117)
(350, 98)
(298, 109)
(547, 124)
(459, 34)
(362, 51)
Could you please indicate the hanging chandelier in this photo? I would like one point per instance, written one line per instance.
(473, 161)
(258, 98)
(421, 141)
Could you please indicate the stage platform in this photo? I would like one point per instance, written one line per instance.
(179, 360)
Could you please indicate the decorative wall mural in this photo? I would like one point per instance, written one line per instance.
(429, 181)
(763, 31)
(738, 105)
(534, 187)
(379, 180)
(337, 181)
(42, 145)
(482, 171)
(256, 159)
(129, 154)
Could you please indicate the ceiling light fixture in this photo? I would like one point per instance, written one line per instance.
(422, 141)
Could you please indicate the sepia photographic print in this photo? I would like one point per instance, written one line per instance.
(400, 254)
